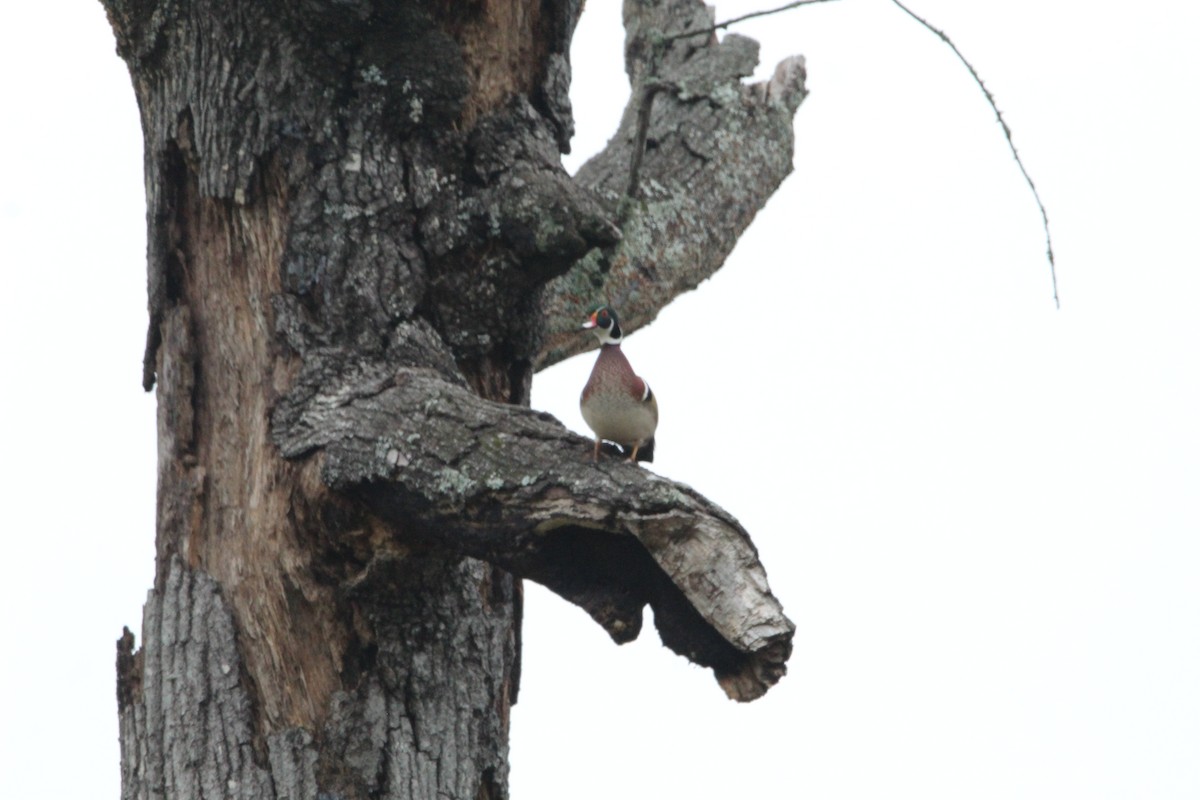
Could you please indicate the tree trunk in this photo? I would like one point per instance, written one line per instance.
(359, 236)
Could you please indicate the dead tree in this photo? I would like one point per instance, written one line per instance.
(361, 245)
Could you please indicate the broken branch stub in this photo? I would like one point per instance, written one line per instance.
(514, 487)
(698, 153)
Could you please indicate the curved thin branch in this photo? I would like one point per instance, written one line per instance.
(645, 107)
(1007, 135)
(752, 15)
(440, 466)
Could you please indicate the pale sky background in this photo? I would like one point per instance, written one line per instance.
(983, 514)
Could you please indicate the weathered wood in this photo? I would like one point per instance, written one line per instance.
(717, 149)
(354, 210)
(186, 699)
(516, 488)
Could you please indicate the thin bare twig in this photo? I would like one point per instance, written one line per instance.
(649, 90)
(1007, 135)
(743, 18)
(653, 87)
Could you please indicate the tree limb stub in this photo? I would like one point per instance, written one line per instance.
(517, 489)
(715, 150)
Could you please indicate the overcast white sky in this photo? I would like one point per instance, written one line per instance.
(982, 514)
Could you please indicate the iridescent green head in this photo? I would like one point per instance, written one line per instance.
(602, 320)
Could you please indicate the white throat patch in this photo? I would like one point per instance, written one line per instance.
(605, 336)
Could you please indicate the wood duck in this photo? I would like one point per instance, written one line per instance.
(617, 405)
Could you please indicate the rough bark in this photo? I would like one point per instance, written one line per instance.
(716, 150)
(354, 209)
(515, 488)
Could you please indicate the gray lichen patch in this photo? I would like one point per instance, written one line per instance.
(720, 149)
(453, 485)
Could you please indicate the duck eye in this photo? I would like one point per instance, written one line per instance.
(602, 318)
